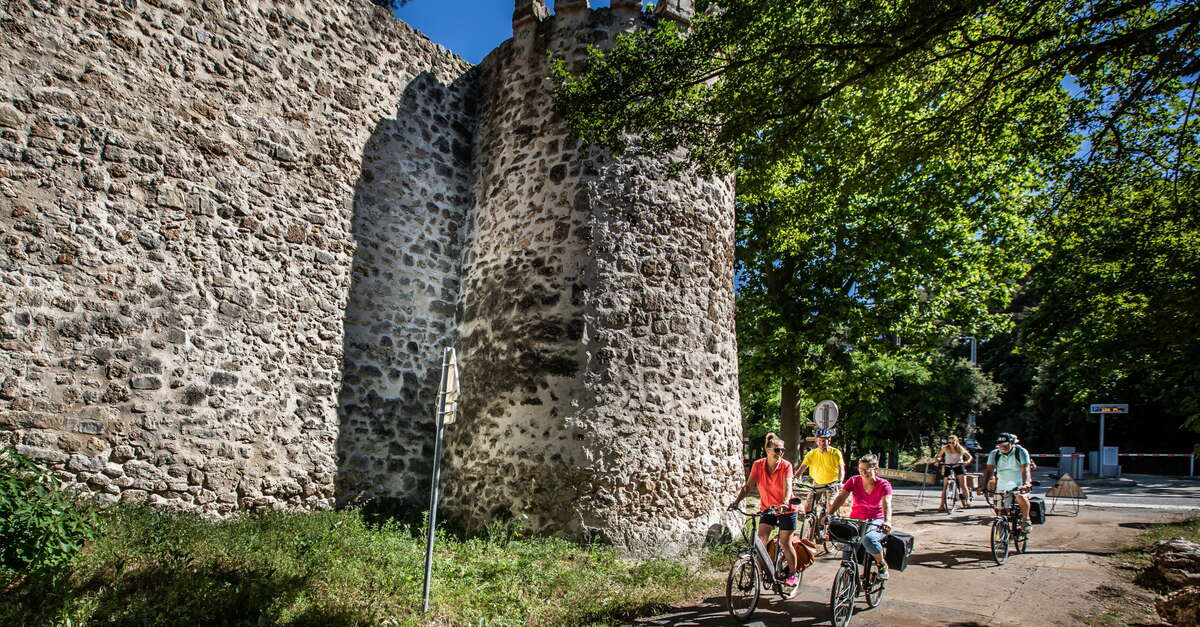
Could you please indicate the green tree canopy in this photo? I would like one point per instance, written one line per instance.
(900, 165)
(763, 79)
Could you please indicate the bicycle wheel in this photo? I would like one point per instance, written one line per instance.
(813, 532)
(951, 496)
(841, 597)
(1000, 540)
(821, 519)
(783, 589)
(874, 585)
(741, 589)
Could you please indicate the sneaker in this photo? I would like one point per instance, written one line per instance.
(883, 573)
(1026, 525)
(792, 580)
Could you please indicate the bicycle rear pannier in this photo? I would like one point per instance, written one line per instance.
(805, 552)
(1037, 510)
(897, 546)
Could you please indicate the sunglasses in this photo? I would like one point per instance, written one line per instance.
(779, 451)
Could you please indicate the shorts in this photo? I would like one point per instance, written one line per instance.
(785, 522)
(956, 469)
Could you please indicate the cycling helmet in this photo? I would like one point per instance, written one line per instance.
(1006, 438)
(824, 433)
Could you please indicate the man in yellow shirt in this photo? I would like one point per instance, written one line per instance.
(825, 465)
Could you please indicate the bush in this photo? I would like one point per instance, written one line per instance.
(41, 525)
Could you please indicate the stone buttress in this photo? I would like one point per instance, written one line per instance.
(597, 317)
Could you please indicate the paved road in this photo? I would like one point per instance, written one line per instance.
(952, 580)
(1131, 491)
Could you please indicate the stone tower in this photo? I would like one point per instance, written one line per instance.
(596, 324)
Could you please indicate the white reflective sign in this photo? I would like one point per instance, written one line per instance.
(825, 414)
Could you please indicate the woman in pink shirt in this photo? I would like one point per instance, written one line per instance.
(872, 502)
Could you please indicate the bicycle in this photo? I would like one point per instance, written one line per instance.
(951, 488)
(1007, 527)
(849, 582)
(816, 523)
(756, 569)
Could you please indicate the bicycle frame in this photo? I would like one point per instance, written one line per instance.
(754, 570)
(816, 520)
(766, 561)
(861, 582)
(1006, 524)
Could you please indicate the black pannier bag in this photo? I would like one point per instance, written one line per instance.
(1037, 510)
(843, 531)
(897, 546)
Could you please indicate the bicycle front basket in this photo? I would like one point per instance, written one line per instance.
(842, 531)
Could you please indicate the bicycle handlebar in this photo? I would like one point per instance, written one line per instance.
(774, 510)
(1021, 489)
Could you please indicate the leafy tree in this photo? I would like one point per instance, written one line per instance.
(893, 159)
(1116, 318)
(949, 70)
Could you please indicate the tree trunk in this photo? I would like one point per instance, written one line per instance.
(789, 421)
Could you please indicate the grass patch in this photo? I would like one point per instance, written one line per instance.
(156, 567)
(1137, 560)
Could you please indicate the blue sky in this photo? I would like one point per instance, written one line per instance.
(470, 28)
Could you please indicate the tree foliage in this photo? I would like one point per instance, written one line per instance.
(901, 167)
(791, 74)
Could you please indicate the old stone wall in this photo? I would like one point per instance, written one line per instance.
(230, 235)
(600, 375)
(237, 234)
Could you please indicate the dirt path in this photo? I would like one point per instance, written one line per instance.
(952, 580)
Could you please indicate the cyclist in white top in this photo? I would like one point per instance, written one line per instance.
(953, 459)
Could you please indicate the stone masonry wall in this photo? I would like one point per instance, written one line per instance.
(229, 245)
(600, 376)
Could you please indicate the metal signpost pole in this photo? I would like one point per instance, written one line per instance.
(970, 441)
(440, 421)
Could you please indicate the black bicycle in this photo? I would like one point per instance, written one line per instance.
(858, 574)
(815, 525)
(757, 569)
(1006, 525)
(950, 487)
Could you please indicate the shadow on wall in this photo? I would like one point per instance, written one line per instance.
(408, 221)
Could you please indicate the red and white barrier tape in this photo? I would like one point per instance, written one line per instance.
(1121, 454)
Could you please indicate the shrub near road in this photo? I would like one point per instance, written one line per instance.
(155, 567)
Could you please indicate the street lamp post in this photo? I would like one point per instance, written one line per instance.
(971, 416)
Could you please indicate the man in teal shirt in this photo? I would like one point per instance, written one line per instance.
(1011, 465)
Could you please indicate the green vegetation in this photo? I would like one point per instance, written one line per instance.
(1137, 560)
(914, 171)
(41, 526)
(156, 567)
